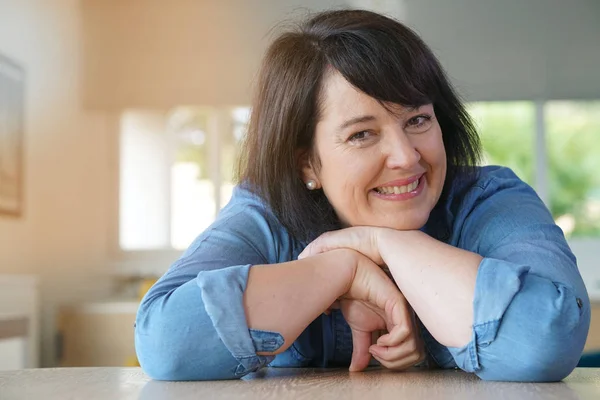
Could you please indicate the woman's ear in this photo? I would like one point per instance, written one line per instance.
(306, 169)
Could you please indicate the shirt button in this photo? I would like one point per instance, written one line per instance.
(579, 303)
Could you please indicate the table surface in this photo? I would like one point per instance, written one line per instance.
(282, 383)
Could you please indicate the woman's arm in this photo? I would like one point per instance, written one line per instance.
(225, 323)
(437, 279)
(175, 339)
(233, 300)
(287, 297)
(228, 305)
(530, 310)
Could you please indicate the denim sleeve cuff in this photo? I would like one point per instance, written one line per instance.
(497, 284)
(223, 292)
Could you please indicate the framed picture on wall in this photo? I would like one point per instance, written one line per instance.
(12, 90)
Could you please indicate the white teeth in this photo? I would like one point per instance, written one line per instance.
(398, 189)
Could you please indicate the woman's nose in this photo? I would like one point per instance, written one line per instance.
(401, 152)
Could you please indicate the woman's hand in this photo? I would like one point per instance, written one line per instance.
(398, 351)
(437, 279)
(364, 239)
(373, 303)
(400, 355)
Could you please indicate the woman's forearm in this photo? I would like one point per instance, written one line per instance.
(287, 297)
(437, 279)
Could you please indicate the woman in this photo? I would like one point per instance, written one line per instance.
(360, 156)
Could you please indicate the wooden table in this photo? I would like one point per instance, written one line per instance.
(313, 384)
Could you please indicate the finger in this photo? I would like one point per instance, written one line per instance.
(315, 247)
(391, 353)
(360, 350)
(328, 241)
(398, 334)
(372, 285)
(412, 348)
(399, 365)
(361, 239)
(398, 318)
(404, 356)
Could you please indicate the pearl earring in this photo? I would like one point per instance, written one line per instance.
(311, 185)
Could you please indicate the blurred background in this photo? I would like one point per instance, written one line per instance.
(120, 122)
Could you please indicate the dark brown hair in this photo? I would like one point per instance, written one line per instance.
(379, 56)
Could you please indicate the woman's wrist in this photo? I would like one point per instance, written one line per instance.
(338, 268)
(392, 242)
(388, 241)
(346, 263)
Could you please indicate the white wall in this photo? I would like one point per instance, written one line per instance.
(62, 236)
(514, 49)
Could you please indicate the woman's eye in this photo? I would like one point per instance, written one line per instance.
(359, 136)
(419, 123)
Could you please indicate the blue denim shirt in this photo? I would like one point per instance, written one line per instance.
(531, 308)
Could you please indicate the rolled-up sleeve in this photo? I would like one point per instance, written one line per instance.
(191, 325)
(199, 331)
(531, 308)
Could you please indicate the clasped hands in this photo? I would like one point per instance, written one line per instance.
(373, 301)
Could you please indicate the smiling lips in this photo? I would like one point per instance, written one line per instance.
(398, 189)
(407, 187)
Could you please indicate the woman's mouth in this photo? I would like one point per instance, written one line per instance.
(398, 189)
(400, 192)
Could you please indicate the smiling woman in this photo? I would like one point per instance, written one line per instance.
(394, 158)
(360, 209)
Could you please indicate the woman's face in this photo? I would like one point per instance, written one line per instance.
(378, 168)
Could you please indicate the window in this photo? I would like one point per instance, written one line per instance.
(573, 148)
(176, 172)
(230, 151)
(570, 153)
(507, 131)
(144, 181)
(192, 184)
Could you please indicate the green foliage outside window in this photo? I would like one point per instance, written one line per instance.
(507, 132)
(573, 143)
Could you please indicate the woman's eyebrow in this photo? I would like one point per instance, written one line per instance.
(357, 120)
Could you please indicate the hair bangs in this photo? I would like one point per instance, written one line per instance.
(375, 63)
